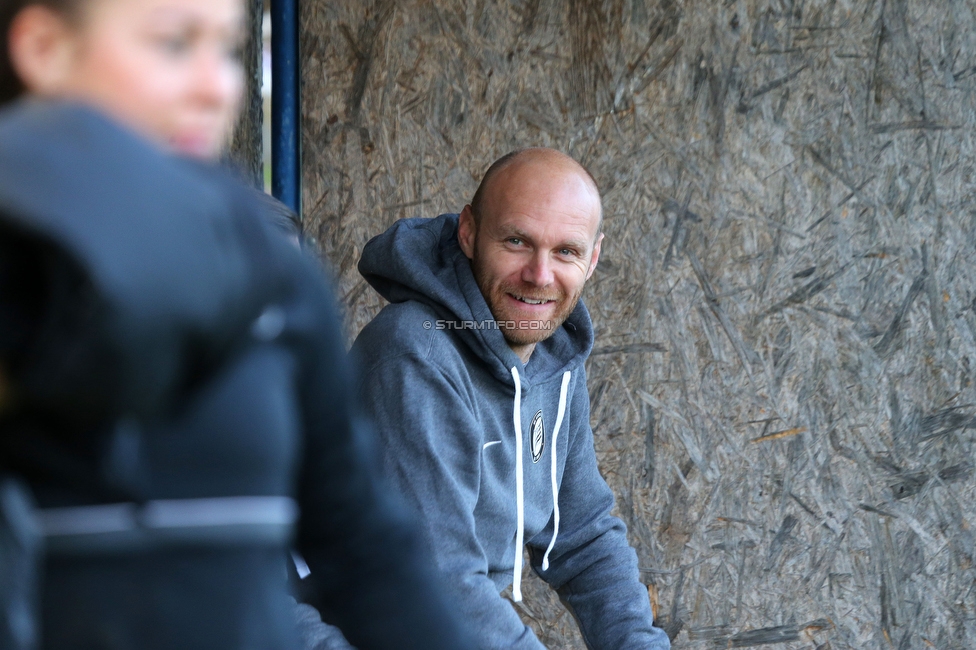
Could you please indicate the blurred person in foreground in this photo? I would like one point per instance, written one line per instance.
(173, 386)
(475, 378)
(312, 632)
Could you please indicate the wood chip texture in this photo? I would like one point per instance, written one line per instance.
(785, 310)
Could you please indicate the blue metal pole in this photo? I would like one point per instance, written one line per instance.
(285, 105)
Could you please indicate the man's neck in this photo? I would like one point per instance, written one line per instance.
(523, 351)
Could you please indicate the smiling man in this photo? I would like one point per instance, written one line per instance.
(474, 375)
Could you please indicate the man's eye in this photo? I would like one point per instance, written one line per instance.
(515, 241)
(567, 252)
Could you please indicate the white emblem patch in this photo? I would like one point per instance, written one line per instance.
(538, 430)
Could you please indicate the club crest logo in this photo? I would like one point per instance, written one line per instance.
(538, 430)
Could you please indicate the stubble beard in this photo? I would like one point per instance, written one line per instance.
(497, 295)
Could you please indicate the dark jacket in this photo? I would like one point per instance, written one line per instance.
(496, 454)
(160, 344)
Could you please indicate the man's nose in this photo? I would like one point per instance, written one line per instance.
(538, 271)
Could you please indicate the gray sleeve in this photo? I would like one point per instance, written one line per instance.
(592, 566)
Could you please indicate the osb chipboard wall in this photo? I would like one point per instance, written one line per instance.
(782, 385)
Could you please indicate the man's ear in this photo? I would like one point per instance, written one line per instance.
(595, 257)
(467, 231)
(41, 47)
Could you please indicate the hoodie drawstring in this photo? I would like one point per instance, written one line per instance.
(555, 488)
(519, 489)
(519, 497)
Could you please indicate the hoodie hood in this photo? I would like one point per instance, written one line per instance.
(420, 259)
(158, 245)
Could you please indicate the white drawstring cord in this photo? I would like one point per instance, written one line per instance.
(555, 488)
(520, 512)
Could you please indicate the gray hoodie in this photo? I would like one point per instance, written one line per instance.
(494, 454)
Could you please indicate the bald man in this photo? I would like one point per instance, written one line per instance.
(474, 375)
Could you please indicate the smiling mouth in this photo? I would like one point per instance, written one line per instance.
(531, 301)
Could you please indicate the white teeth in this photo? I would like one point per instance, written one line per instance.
(530, 301)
